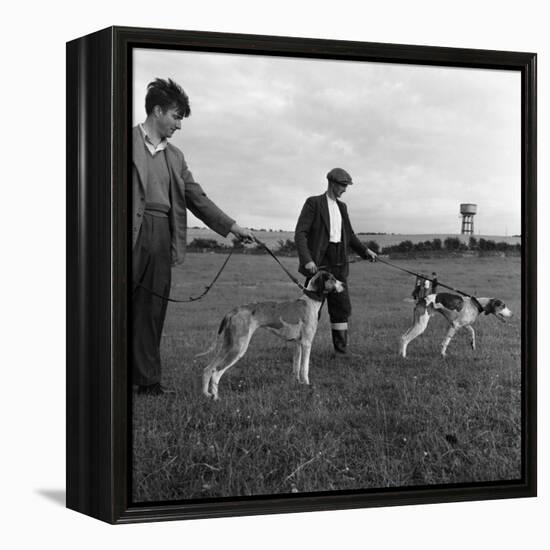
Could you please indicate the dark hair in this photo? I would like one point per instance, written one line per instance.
(167, 95)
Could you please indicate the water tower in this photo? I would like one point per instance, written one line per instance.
(468, 211)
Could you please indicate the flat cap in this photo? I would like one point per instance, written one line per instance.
(339, 175)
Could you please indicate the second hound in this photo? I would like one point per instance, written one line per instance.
(460, 311)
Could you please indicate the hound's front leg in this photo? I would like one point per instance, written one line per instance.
(421, 318)
(296, 360)
(473, 335)
(304, 366)
(450, 333)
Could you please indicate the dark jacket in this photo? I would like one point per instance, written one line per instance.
(185, 193)
(313, 233)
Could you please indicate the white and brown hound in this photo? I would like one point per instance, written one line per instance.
(293, 321)
(460, 311)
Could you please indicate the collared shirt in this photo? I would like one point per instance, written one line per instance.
(335, 221)
(151, 147)
(157, 189)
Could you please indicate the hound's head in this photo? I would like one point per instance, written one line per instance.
(324, 282)
(498, 308)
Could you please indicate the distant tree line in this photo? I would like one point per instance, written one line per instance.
(284, 247)
(287, 247)
(452, 244)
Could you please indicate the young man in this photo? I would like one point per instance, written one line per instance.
(163, 189)
(324, 237)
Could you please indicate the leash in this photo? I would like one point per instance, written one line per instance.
(208, 287)
(439, 283)
(190, 299)
(291, 277)
(420, 276)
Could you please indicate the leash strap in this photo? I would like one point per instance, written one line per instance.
(439, 283)
(208, 287)
(292, 278)
(191, 299)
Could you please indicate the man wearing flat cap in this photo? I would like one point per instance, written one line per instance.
(324, 237)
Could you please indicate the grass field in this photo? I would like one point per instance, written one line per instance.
(377, 421)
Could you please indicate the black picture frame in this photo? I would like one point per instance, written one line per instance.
(98, 130)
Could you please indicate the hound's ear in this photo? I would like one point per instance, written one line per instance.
(320, 281)
(314, 281)
(490, 307)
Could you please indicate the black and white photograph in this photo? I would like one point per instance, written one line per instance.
(274, 275)
(326, 267)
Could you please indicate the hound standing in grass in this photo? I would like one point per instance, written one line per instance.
(458, 310)
(294, 321)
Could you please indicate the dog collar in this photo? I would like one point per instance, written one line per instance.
(313, 295)
(480, 308)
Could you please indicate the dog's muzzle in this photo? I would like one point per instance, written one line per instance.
(503, 314)
(339, 286)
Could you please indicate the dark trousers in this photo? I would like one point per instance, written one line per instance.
(151, 267)
(338, 304)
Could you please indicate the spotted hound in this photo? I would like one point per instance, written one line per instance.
(460, 311)
(292, 320)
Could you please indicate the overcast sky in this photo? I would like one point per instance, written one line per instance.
(418, 141)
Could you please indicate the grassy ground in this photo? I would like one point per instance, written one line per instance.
(377, 421)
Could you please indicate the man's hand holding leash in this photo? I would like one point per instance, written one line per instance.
(242, 233)
(311, 267)
(373, 256)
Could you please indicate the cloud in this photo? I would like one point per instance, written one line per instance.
(417, 140)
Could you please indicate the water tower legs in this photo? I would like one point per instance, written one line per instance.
(467, 224)
(468, 210)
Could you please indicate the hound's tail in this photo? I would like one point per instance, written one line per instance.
(216, 342)
(209, 350)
